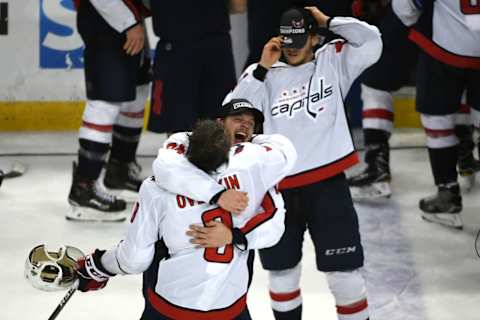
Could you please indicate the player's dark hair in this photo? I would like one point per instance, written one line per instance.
(208, 146)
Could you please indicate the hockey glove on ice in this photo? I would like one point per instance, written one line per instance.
(91, 273)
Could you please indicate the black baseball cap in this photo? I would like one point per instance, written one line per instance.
(239, 106)
(296, 25)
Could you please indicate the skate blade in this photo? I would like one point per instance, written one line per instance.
(373, 191)
(445, 219)
(91, 215)
(467, 181)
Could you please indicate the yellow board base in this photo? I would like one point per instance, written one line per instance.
(43, 115)
(67, 115)
(404, 112)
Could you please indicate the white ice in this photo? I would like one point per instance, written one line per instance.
(415, 270)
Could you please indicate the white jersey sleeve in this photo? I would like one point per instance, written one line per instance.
(265, 229)
(362, 48)
(118, 14)
(407, 11)
(250, 88)
(277, 159)
(176, 174)
(135, 253)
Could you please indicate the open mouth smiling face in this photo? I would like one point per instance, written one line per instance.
(240, 136)
(239, 127)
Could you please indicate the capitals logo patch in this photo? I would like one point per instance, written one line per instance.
(60, 44)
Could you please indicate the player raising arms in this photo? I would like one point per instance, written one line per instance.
(206, 277)
(302, 98)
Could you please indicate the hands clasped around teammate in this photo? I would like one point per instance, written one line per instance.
(214, 235)
(233, 201)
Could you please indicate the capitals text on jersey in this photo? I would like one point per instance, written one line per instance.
(301, 99)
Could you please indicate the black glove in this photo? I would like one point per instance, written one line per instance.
(91, 273)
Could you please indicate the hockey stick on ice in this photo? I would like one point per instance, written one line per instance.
(64, 301)
(17, 170)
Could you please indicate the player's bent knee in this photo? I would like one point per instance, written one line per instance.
(285, 289)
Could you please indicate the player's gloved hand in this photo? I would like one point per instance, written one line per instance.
(233, 201)
(91, 273)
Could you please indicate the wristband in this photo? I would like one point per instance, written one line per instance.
(239, 240)
(260, 73)
(215, 198)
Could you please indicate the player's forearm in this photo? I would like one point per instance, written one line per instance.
(118, 14)
(279, 158)
(266, 228)
(282, 144)
(127, 261)
(177, 175)
(268, 234)
(356, 32)
(268, 237)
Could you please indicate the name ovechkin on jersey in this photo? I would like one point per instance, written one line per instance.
(229, 182)
(292, 102)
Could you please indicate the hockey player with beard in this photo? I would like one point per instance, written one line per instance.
(448, 34)
(393, 71)
(206, 277)
(117, 76)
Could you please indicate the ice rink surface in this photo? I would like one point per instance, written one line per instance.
(415, 270)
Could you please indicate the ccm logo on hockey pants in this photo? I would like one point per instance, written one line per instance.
(340, 251)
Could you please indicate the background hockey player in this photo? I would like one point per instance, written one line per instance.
(117, 76)
(200, 280)
(194, 65)
(448, 34)
(390, 73)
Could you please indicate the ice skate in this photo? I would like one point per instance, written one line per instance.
(91, 202)
(374, 181)
(122, 179)
(444, 207)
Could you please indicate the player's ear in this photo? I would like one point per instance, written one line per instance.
(315, 39)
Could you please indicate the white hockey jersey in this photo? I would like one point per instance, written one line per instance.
(448, 30)
(305, 103)
(195, 283)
